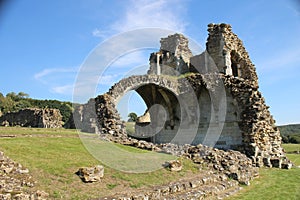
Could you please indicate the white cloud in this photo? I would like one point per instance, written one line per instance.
(47, 72)
(58, 79)
(100, 33)
(108, 80)
(64, 89)
(147, 13)
(132, 59)
(164, 14)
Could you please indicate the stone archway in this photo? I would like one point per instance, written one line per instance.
(180, 117)
(153, 89)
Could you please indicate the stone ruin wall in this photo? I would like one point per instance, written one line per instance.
(261, 137)
(251, 122)
(229, 53)
(33, 117)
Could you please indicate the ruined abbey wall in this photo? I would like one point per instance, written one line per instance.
(217, 104)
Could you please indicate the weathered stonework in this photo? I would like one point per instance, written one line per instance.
(16, 182)
(220, 172)
(91, 174)
(84, 118)
(33, 117)
(173, 57)
(219, 95)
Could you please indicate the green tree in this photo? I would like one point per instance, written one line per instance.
(22, 95)
(12, 95)
(7, 104)
(132, 117)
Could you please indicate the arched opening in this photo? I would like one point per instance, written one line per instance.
(164, 119)
(157, 113)
(130, 106)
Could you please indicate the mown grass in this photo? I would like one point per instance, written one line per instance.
(53, 157)
(130, 128)
(291, 148)
(275, 183)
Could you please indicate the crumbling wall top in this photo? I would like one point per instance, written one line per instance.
(178, 45)
(229, 53)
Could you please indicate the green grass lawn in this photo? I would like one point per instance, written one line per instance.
(290, 148)
(275, 183)
(54, 155)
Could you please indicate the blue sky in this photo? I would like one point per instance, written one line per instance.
(44, 44)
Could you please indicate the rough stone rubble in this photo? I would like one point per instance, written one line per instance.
(16, 182)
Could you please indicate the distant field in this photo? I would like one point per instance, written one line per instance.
(54, 155)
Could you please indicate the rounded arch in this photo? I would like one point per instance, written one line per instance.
(160, 96)
(135, 82)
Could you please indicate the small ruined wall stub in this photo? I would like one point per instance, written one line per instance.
(33, 117)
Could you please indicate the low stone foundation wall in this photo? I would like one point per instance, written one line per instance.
(33, 117)
(206, 185)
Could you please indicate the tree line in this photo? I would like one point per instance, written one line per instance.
(16, 101)
(290, 133)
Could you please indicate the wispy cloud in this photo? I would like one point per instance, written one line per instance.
(100, 33)
(58, 79)
(132, 59)
(64, 89)
(148, 13)
(294, 6)
(108, 80)
(129, 49)
(145, 14)
(40, 76)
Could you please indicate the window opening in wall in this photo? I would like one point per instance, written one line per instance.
(234, 68)
(235, 64)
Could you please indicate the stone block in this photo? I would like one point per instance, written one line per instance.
(91, 174)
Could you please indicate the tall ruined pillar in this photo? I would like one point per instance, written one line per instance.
(229, 53)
